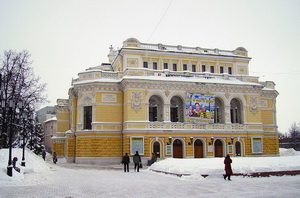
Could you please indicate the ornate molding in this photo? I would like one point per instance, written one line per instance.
(136, 100)
(254, 104)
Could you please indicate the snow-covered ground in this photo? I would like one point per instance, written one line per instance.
(43, 179)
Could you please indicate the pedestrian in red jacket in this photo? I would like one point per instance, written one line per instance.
(228, 170)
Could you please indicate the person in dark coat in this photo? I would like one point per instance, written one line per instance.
(54, 157)
(44, 155)
(153, 158)
(137, 161)
(228, 170)
(126, 161)
(15, 159)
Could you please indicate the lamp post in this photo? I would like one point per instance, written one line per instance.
(191, 141)
(25, 116)
(10, 113)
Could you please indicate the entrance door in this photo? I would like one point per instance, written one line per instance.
(218, 148)
(177, 149)
(198, 149)
(156, 149)
(238, 150)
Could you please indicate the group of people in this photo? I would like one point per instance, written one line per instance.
(136, 160)
(196, 112)
(54, 156)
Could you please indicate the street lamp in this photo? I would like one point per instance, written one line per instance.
(191, 141)
(10, 113)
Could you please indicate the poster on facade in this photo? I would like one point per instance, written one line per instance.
(168, 150)
(137, 144)
(200, 108)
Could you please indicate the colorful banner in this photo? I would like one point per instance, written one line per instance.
(200, 108)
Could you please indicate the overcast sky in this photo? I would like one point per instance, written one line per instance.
(66, 37)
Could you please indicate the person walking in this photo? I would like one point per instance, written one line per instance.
(44, 155)
(228, 170)
(137, 161)
(153, 158)
(126, 161)
(54, 157)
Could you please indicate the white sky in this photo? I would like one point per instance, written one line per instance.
(66, 37)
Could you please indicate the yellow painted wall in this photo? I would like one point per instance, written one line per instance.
(129, 113)
(108, 113)
(63, 126)
(59, 148)
(267, 117)
(98, 146)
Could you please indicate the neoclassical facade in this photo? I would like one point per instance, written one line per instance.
(174, 101)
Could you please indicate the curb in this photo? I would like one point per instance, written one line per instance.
(255, 174)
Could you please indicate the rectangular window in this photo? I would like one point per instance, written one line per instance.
(165, 65)
(221, 70)
(229, 70)
(155, 65)
(87, 122)
(212, 69)
(257, 145)
(174, 67)
(184, 67)
(174, 114)
(203, 68)
(145, 64)
(152, 114)
(137, 144)
(193, 68)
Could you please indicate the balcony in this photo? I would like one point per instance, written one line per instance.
(185, 126)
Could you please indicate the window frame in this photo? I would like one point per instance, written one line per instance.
(87, 111)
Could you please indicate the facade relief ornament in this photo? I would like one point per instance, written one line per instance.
(227, 95)
(254, 104)
(136, 100)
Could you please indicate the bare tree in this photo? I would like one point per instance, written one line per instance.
(294, 131)
(20, 90)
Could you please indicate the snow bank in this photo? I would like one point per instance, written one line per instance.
(36, 169)
(288, 152)
(289, 159)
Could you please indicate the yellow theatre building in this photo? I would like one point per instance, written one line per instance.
(171, 100)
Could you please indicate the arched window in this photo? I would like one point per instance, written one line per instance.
(176, 109)
(235, 111)
(155, 109)
(219, 111)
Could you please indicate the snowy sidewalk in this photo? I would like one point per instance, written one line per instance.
(45, 179)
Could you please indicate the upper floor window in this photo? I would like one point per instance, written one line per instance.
(218, 113)
(145, 64)
(155, 65)
(155, 109)
(174, 67)
(235, 111)
(184, 67)
(193, 68)
(203, 68)
(176, 109)
(87, 117)
(229, 70)
(221, 69)
(165, 65)
(212, 69)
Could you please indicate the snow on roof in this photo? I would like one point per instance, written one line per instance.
(51, 119)
(231, 81)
